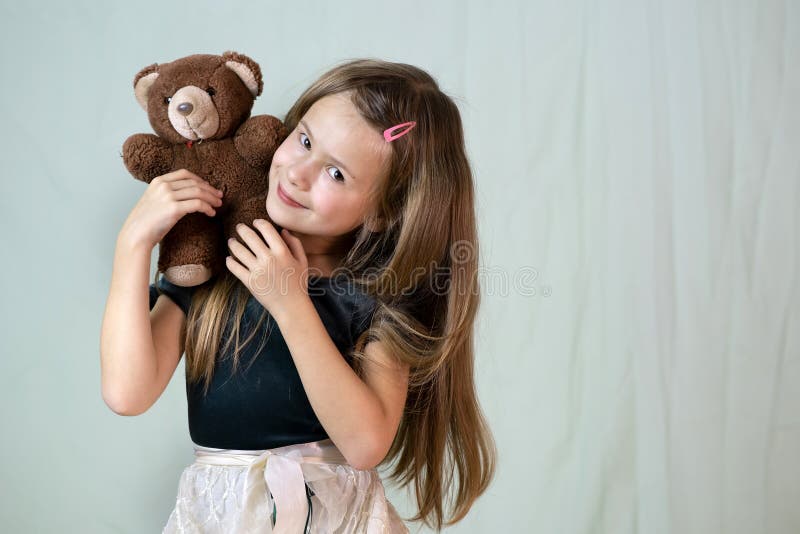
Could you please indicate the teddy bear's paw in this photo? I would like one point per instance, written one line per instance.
(188, 275)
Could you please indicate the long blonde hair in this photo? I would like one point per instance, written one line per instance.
(419, 260)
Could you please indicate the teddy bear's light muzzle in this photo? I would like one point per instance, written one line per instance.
(192, 113)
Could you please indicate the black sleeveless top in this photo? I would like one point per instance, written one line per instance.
(263, 405)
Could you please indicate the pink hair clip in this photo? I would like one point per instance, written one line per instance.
(387, 133)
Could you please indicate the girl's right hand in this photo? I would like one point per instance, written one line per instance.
(168, 198)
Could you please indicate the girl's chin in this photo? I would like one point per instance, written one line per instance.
(279, 221)
(275, 213)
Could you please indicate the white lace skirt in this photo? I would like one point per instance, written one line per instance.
(303, 488)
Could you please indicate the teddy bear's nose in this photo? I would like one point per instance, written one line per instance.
(185, 108)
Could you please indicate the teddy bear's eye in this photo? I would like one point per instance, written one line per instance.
(167, 99)
(211, 91)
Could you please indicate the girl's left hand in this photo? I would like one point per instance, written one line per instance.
(275, 271)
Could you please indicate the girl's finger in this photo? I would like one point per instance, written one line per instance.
(252, 240)
(180, 185)
(197, 192)
(184, 178)
(178, 175)
(195, 204)
(295, 246)
(236, 268)
(242, 253)
(276, 244)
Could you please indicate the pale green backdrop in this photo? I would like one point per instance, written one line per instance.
(637, 168)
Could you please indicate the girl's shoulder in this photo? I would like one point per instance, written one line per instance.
(349, 296)
(340, 296)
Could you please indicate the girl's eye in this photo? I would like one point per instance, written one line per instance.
(303, 139)
(340, 174)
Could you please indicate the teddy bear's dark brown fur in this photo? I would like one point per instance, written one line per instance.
(200, 108)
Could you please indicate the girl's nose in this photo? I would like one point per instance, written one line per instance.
(300, 174)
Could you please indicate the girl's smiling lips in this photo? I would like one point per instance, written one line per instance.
(287, 199)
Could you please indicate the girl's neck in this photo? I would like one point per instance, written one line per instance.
(324, 253)
(323, 265)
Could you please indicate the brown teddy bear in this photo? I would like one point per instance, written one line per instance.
(200, 107)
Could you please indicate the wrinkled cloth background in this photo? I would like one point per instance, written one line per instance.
(636, 167)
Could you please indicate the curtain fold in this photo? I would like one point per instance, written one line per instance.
(650, 175)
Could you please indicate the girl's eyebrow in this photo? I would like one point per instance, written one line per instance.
(336, 161)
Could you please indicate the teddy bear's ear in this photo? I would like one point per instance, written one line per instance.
(246, 69)
(142, 83)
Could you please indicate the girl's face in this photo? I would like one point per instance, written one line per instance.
(328, 164)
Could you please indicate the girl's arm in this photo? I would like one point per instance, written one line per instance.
(138, 355)
(361, 417)
(127, 352)
(139, 349)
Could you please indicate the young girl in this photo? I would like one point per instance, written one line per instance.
(363, 290)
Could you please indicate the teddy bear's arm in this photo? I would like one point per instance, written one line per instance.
(147, 156)
(258, 138)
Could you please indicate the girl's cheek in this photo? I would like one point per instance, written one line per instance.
(284, 151)
(279, 156)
